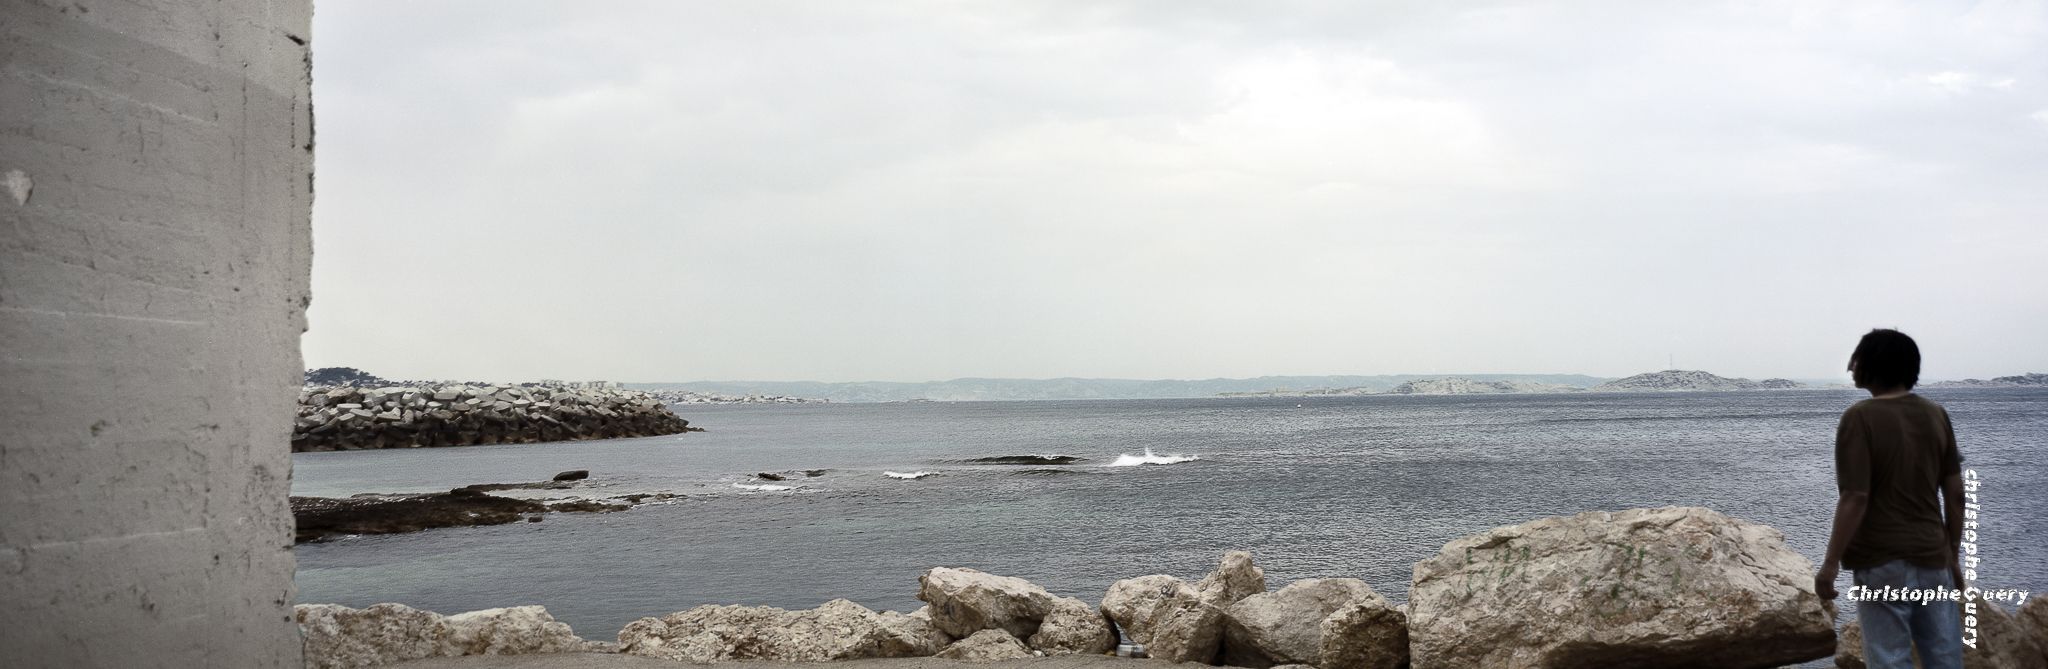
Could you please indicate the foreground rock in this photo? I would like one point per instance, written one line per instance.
(2003, 642)
(1286, 626)
(964, 601)
(341, 418)
(1134, 602)
(911, 634)
(1234, 579)
(1675, 586)
(1368, 633)
(338, 636)
(837, 630)
(989, 645)
(1179, 622)
(1073, 627)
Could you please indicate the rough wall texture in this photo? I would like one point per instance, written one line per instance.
(155, 193)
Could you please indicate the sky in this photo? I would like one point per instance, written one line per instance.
(907, 191)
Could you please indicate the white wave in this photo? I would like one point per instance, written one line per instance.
(1149, 458)
(764, 487)
(910, 476)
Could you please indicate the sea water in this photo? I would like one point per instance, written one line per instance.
(1074, 495)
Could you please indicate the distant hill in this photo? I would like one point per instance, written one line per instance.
(972, 389)
(2035, 379)
(1682, 380)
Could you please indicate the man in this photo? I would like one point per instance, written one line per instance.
(1900, 517)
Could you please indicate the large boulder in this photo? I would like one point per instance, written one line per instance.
(1134, 602)
(337, 636)
(1186, 629)
(1368, 633)
(1234, 579)
(518, 630)
(1073, 627)
(911, 634)
(989, 645)
(1286, 626)
(837, 630)
(2003, 642)
(965, 601)
(1674, 586)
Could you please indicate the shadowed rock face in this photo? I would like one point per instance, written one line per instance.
(1669, 587)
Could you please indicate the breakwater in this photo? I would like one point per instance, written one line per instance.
(343, 418)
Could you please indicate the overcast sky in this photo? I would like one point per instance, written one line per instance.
(911, 191)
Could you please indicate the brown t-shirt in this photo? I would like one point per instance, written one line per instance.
(1898, 450)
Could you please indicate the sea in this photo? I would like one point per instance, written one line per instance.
(1074, 495)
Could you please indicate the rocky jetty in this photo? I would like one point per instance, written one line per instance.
(1674, 586)
(341, 418)
(1684, 380)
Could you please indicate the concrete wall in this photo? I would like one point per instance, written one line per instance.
(155, 193)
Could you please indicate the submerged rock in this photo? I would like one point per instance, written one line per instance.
(573, 475)
(837, 630)
(1073, 627)
(964, 601)
(989, 645)
(1667, 587)
(1286, 626)
(320, 517)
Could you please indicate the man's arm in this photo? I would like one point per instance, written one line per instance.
(1952, 507)
(1849, 512)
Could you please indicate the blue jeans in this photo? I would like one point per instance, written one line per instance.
(1892, 629)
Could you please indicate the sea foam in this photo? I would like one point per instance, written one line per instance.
(1149, 458)
(912, 475)
(764, 487)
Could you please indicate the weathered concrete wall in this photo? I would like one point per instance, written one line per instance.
(155, 193)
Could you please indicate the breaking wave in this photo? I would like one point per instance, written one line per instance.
(1149, 458)
(764, 487)
(910, 476)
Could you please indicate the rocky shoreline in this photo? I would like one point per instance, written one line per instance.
(345, 418)
(1666, 587)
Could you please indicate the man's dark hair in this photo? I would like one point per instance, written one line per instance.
(1886, 359)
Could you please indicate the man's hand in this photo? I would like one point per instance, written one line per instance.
(1955, 571)
(1824, 582)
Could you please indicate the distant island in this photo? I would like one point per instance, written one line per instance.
(1685, 380)
(2035, 379)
